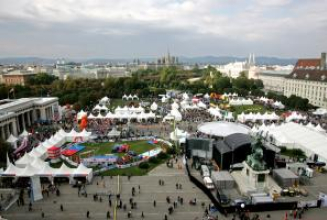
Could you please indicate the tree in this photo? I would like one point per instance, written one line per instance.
(42, 79)
(222, 83)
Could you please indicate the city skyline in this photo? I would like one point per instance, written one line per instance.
(131, 29)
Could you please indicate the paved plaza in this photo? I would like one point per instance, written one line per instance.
(75, 207)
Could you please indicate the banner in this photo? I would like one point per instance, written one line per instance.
(36, 188)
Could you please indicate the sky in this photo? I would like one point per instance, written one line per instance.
(149, 28)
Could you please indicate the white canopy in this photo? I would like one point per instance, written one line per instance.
(46, 170)
(105, 99)
(174, 105)
(82, 170)
(185, 96)
(38, 163)
(257, 117)
(206, 96)
(12, 170)
(64, 170)
(12, 139)
(235, 102)
(320, 111)
(24, 134)
(177, 134)
(215, 112)
(114, 133)
(293, 135)
(295, 116)
(34, 153)
(202, 105)
(154, 106)
(125, 97)
(28, 171)
(91, 116)
(24, 160)
(163, 99)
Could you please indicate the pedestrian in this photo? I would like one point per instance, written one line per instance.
(129, 215)
(142, 215)
(154, 203)
(88, 214)
(108, 215)
(61, 208)
(176, 185)
(166, 217)
(42, 214)
(110, 202)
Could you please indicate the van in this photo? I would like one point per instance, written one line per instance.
(208, 182)
(205, 171)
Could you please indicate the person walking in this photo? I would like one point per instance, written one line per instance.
(61, 207)
(108, 215)
(142, 215)
(110, 202)
(42, 214)
(154, 203)
(88, 214)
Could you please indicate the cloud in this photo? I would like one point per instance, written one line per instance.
(243, 22)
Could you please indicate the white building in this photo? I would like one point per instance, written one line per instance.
(233, 69)
(17, 115)
(309, 80)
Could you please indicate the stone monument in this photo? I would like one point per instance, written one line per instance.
(255, 171)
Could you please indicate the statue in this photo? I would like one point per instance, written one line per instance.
(255, 160)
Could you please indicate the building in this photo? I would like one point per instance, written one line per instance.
(167, 60)
(17, 77)
(17, 115)
(309, 80)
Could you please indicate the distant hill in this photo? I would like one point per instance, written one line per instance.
(228, 59)
(261, 60)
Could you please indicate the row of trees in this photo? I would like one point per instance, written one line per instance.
(145, 83)
(292, 102)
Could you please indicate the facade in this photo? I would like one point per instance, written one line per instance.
(17, 115)
(272, 81)
(17, 77)
(309, 80)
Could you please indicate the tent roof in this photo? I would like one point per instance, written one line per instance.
(28, 171)
(12, 170)
(26, 159)
(11, 139)
(64, 170)
(46, 170)
(38, 163)
(82, 170)
(34, 153)
(24, 134)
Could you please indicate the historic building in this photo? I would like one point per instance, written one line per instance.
(309, 80)
(17, 115)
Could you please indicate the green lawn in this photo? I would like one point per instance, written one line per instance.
(247, 109)
(133, 171)
(105, 148)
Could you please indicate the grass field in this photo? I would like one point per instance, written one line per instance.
(247, 109)
(105, 148)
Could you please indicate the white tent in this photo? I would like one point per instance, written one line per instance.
(185, 96)
(28, 171)
(12, 140)
(130, 97)
(174, 105)
(38, 163)
(104, 101)
(202, 105)
(278, 105)
(177, 134)
(229, 116)
(294, 135)
(114, 133)
(12, 170)
(320, 111)
(35, 153)
(125, 97)
(135, 97)
(164, 99)
(97, 108)
(24, 134)
(46, 170)
(215, 112)
(319, 128)
(24, 160)
(206, 96)
(176, 114)
(154, 106)
(64, 170)
(104, 108)
(295, 116)
(81, 170)
(91, 116)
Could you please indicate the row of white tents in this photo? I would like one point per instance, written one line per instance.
(38, 167)
(257, 117)
(130, 97)
(124, 115)
(58, 140)
(295, 116)
(240, 101)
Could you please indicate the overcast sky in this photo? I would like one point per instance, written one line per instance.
(147, 28)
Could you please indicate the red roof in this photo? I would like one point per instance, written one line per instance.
(302, 63)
